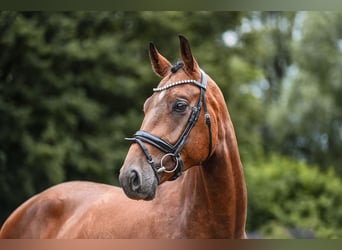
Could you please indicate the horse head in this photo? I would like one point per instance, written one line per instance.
(179, 129)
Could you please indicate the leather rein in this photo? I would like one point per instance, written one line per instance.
(174, 150)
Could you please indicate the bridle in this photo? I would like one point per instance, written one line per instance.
(174, 150)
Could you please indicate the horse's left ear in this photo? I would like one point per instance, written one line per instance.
(190, 62)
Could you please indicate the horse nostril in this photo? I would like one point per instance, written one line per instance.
(134, 180)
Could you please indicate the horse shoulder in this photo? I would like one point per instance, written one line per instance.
(45, 214)
(36, 218)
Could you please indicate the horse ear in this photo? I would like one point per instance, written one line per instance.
(190, 62)
(160, 64)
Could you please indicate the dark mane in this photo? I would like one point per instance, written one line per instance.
(177, 66)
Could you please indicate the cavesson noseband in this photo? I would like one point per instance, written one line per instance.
(174, 151)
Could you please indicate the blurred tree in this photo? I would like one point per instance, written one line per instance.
(266, 41)
(306, 121)
(265, 46)
(68, 95)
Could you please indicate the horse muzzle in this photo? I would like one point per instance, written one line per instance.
(138, 185)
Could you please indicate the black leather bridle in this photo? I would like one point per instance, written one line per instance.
(174, 150)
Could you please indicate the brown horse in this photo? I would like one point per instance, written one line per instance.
(186, 130)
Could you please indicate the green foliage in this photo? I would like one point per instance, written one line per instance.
(305, 122)
(66, 99)
(287, 195)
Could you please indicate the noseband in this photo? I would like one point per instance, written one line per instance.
(174, 150)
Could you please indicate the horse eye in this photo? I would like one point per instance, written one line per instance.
(180, 106)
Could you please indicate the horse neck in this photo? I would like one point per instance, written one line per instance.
(215, 193)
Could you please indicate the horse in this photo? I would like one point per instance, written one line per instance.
(182, 176)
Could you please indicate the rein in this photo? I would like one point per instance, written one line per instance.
(170, 150)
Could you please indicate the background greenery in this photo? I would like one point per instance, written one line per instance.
(72, 86)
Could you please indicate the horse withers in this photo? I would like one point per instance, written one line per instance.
(182, 176)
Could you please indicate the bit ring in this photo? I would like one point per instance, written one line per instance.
(163, 168)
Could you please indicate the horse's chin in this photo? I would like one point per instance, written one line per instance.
(138, 195)
(150, 197)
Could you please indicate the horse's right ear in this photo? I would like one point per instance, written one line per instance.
(160, 64)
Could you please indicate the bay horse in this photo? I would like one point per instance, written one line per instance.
(182, 176)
